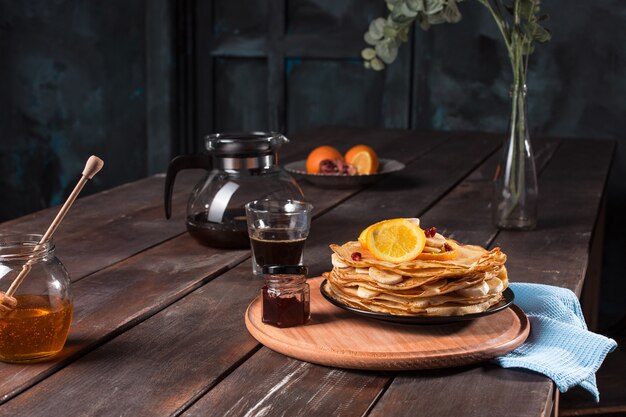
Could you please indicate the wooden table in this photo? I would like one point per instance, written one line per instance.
(158, 327)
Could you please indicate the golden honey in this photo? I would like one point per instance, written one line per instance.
(37, 328)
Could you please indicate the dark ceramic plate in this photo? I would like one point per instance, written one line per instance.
(387, 166)
(507, 300)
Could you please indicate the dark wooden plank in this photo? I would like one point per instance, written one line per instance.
(101, 207)
(110, 301)
(160, 365)
(526, 253)
(465, 213)
(471, 227)
(218, 334)
(290, 388)
(410, 193)
(152, 287)
(476, 391)
(126, 220)
(590, 296)
(437, 172)
(111, 226)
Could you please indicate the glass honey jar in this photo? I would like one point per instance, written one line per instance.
(38, 326)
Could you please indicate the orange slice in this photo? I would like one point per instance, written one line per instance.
(362, 148)
(396, 240)
(363, 235)
(442, 256)
(364, 163)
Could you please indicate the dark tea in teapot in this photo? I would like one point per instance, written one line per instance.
(242, 167)
(229, 234)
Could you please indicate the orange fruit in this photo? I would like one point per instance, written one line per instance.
(363, 163)
(318, 155)
(352, 152)
(442, 256)
(396, 240)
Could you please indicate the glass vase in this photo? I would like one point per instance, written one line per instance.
(514, 204)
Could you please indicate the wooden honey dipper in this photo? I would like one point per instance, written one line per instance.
(93, 165)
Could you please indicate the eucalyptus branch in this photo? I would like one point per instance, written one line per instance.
(519, 30)
(500, 22)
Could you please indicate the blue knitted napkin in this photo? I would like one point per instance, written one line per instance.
(559, 345)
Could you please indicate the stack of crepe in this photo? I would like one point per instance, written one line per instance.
(470, 283)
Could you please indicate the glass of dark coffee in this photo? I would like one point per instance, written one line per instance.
(277, 231)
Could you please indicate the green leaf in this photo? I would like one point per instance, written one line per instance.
(369, 40)
(377, 64)
(451, 13)
(387, 51)
(389, 32)
(416, 5)
(526, 8)
(368, 53)
(541, 34)
(405, 10)
(403, 34)
(432, 7)
(436, 19)
(376, 28)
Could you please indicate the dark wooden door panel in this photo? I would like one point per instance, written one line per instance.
(238, 17)
(240, 94)
(290, 66)
(314, 97)
(321, 16)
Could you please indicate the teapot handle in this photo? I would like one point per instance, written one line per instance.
(178, 164)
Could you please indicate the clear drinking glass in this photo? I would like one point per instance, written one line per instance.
(278, 230)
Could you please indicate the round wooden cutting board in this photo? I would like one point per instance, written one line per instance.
(335, 337)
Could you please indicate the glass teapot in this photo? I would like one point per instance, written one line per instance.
(241, 167)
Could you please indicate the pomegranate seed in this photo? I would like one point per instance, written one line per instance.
(447, 247)
(328, 166)
(430, 232)
(356, 256)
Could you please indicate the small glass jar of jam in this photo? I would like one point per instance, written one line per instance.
(39, 324)
(286, 295)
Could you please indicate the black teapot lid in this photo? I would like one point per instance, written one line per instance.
(245, 144)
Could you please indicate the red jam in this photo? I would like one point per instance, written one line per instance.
(286, 295)
(284, 311)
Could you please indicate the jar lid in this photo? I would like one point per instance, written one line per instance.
(244, 144)
(285, 269)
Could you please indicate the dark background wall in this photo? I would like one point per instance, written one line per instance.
(76, 78)
(137, 81)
